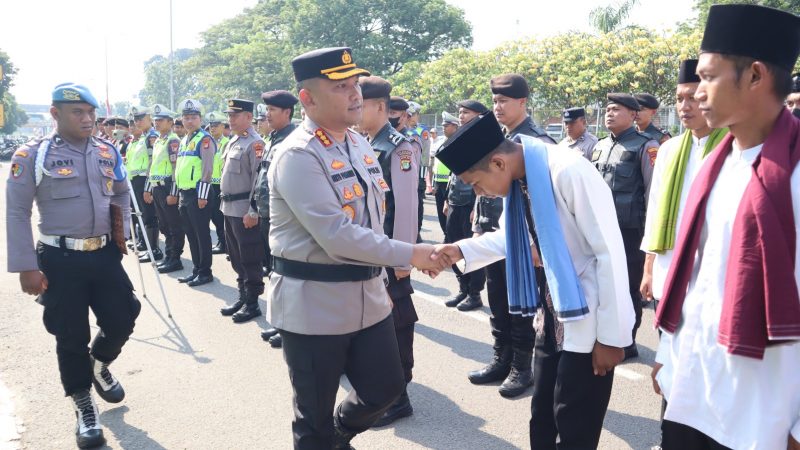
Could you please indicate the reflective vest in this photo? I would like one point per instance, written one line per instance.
(216, 175)
(136, 158)
(440, 172)
(161, 167)
(189, 166)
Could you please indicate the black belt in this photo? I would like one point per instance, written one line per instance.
(323, 272)
(234, 197)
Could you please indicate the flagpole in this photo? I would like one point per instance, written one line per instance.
(108, 103)
(171, 75)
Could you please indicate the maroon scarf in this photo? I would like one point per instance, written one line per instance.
(760, 303)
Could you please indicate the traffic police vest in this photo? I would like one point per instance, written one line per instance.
(136, 158)
(441, 173)
(161, 167)
(216, 175)
(189, 166)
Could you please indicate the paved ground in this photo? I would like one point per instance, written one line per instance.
(198, 381)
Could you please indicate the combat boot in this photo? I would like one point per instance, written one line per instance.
(107, 387)
(88, 432)
(473, 301)
(250, 309)
(399, 409)
(520, 377)
(497, 370)
(341, 435)
(234, 308)
(456, 300)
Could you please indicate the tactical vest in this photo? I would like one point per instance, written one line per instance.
(460, 193)
(216, 174)
(161, 167)
(654, 133)
(619, 162)
(136, 158)
(261, 192)
(384, 144)
(189, 166)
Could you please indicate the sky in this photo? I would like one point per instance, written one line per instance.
(53, 41)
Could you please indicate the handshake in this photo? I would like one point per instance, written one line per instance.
(433, 259)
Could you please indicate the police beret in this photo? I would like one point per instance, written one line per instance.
(471, 143)
(398, 103)
(375, 87)
(646, 100)
(511, 85)
(238, 105)
(161, 112)
(626, 100)
(473, 105)
(688, 72)
(765, 34)
(796, 83)
(280, 98)
(190, 106)
(73, 93)
(449, 118)
(572, 114)
(333, 63)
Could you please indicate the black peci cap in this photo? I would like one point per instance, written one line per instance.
(688, 72)
(333, 63)
(471, 143)
(398, 103)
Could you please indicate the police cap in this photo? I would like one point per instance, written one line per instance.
(398, 103)
(333, 63)
(238, 105)
(449, 118)
(190, 106)
(280, 98)
(214, 118)
(471, 143)
(160, 111)
(573, 114)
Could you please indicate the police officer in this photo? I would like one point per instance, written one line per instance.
(441, 174)
(278, 111)
(193, 170)
(178, 127)
(793, 99)
(262, 126)
(327, 295)
(398, 117)
(419, 133)
(396, 157)
(137, 163)
(578, 136)
(626, 158)
(77, 181)
(648, 107)
(241, 159)
(161, 178)
(216, 127)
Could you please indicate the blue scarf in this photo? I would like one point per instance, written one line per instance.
(565, 289)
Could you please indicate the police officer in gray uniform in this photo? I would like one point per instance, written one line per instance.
(400, 171)
(578, 136)
(78, 182)
(648, 107)
(327, 292)
(240, 162)
(626, 158)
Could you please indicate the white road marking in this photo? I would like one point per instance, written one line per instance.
(9, 437)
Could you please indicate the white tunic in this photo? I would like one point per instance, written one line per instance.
(742, 403)
(588, 219)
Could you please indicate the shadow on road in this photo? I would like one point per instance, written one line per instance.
(430, 290)
(638, 432)
(127, 435)
(461, 346)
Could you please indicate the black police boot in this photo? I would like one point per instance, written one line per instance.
(341, 435)
(88, 432)
(631, 351)
(401, 408)
(107, 387)
(520, 377)
(231, 310)
(200, 279)
(157, 254)
(497, 370)
(170, 265)
(456, 300)
(276, 341)
(267, 334)
(218, 248)
(250, 309)
(188, 278)
(472, 302)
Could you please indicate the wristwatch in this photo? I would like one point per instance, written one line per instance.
(252, 214)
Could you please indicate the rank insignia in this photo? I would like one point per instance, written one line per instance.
(347, 194)
(358, 190)
(323, 137)
(368, 160)
(16, 170)
(349, 212)
(405, 163)
(382, 184)
(64, 172)
(105, 154)
(258, 147)
(652, 152)
(336, 164)
(109, 183)
(21, 154)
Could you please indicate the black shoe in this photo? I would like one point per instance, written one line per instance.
(341, 435)
(631, 352)
(401, 408)
(472, 302)
(200, 279)
(267, 334)
(88, 432)
(231, 310)
(141, 246)
(520, 377)
(497, 370)
(107, 387)
(218, 248)
(456, 300)
(276, 341)
(157, 254)
(170, 265)
(187, 278)
(248, 312)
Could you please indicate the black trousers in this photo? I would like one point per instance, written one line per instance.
(569, 401)
(78, 281)
(370, 360)
(263, 225)
(246, 250)
(404, 316)
(195, 224)
(421, 187)
(507, 329)
(149, 217)
(677, 436)
(459, 227)
(169, 222)
(441, 197)
(632, 239)
(217, 218)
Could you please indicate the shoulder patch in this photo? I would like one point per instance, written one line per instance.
(652, 152)
(206, 142)
(323, 137)
(17, 170)
(258, 147)
(425, 134)
(405, 161)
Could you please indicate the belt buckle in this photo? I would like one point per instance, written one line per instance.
(91, 244)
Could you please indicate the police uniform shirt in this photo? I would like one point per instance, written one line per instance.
(77, 186)
(327, 203)
(584, 144)
(240, 161)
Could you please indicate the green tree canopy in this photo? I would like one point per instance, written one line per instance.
(14, 116)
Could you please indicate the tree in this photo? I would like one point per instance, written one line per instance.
(14, 116)
(156, 84)
(609, 18)
(701, 7)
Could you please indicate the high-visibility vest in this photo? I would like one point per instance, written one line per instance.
(189, 166)
(161, 166)
(216, 175)
(136, 159)
(440, 172)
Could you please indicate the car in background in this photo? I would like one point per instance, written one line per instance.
(555, 131)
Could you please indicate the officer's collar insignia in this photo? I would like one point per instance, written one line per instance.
(352, 138)
(346, 58)
(64, 172)
(71, 95)
(336, 164)
(368, 160)
(245, 134)
(323, 137)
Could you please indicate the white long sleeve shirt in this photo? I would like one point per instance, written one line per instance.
(588, 219)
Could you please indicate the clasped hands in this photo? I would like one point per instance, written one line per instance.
(433, 259)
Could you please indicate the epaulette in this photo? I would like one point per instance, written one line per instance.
(323, 137)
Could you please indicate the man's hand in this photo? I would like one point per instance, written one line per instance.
(445, 208)
(33, 282)
(424, 258)
(646, 288)
(793, 443)
(148, 197)
(250, 220)
(537, 260)
(400, 274)
(605, 358)
(201, 203)
(172, 200)
(653, 373)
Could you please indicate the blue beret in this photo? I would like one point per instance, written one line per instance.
(73, 93)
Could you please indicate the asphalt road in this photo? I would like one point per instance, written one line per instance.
(199, 381)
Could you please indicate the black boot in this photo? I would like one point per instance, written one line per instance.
(250, 309)
(401, 408)
(218, 248)
(200, 280)
(267, 334)
(276, 341)
(631, 352)
(456, 300)
(152, 237)
(144, 257)
(188, 278)
(88, 432)
(170, 265)
(520, 377)
(473, 301)
(341, 435)
(231, 310)
(497, 370)
(107, 387)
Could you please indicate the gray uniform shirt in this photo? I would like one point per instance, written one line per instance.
(321, 213)
(240, 160)
(584, 144)
(73, 198)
